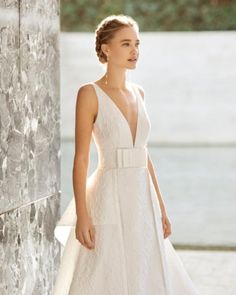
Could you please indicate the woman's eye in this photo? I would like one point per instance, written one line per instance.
(128, 44)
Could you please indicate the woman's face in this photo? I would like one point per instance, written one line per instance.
(123, 48)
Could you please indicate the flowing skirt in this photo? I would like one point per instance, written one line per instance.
(131, 256)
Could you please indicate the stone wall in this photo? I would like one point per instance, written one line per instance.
(29, 145)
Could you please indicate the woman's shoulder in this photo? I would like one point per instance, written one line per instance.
(86, 87)
(86, 95)
(87, 90)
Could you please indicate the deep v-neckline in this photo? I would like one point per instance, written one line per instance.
(133, 140)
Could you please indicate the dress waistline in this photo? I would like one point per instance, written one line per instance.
(123, 158)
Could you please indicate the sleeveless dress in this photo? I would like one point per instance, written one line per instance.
(131, 256)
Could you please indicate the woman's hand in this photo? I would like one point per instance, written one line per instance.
(166, 225)
(85, 231)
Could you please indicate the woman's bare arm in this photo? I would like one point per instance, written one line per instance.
(86, 107)
(155, 183)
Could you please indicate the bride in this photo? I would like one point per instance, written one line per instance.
(117, 221)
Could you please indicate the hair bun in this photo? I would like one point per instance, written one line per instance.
(106, 30)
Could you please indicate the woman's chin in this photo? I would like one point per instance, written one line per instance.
(133, 66)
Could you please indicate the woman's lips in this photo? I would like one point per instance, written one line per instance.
(132, 60)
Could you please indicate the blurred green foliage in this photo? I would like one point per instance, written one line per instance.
(151, 15)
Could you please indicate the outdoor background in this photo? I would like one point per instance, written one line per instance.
(187, 67)
(152, 15)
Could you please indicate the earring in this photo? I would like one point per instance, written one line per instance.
(106, 76)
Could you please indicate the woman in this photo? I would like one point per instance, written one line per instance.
(119, 236)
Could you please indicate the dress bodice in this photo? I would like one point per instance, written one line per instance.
(111, 129)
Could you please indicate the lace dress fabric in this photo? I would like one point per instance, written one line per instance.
(131, 256)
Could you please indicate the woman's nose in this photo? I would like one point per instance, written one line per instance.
(134, 48)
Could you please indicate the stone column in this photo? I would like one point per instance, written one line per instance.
(29, 145)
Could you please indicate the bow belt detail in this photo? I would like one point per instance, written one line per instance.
(123, 158)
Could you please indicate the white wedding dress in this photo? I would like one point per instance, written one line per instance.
(131, 256)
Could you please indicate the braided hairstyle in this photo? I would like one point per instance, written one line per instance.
(107, 28)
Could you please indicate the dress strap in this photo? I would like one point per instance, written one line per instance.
(99, 100)
(96, 88)
(135, 88)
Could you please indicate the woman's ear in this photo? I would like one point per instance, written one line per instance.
(104, 49)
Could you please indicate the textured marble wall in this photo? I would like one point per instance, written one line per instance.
(29, 145)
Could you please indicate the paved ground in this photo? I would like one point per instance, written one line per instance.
(212, 272)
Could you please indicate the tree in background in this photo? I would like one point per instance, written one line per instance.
(152, 15)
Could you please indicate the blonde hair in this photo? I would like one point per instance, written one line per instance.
(107, 28)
